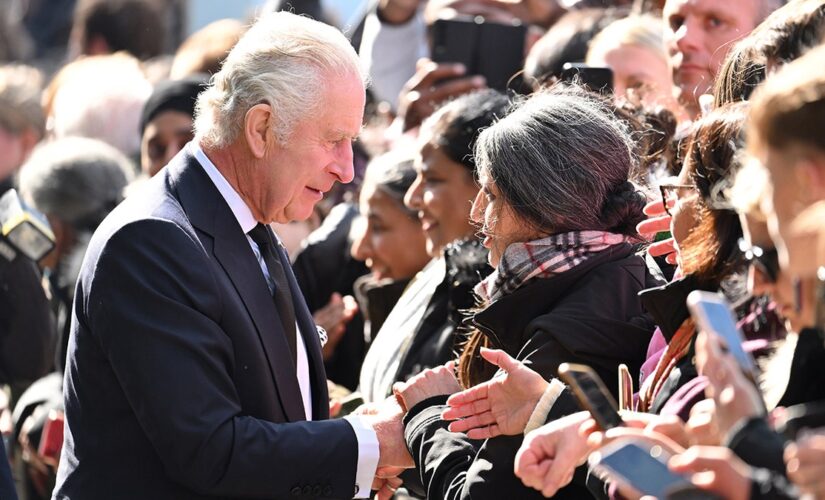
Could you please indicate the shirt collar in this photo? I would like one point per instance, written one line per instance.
(239, 208)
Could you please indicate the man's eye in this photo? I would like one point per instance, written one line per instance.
(715, 22)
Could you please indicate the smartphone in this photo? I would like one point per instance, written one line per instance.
(802, 416)
(492, 50)
(350, 403)
(596, 78)
(639, 466)
(51, 440)
(714, 315)
(625, 388)
(592, 394)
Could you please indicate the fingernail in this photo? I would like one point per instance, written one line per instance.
(459, 68)
(479, 80)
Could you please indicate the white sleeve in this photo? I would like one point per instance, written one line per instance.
(367, 455)
(389, 53)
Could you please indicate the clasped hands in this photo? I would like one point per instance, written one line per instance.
(386, 419)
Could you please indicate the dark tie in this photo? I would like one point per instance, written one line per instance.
(261, 235)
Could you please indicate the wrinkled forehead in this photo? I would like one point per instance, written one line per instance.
(740, 8)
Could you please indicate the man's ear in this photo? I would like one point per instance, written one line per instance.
(257, 130)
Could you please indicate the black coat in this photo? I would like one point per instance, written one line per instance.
(591, 315)
(438, 335)
(179, 379)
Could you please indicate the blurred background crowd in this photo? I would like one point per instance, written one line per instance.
(537, 182)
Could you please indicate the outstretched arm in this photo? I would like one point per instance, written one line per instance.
(499, 406)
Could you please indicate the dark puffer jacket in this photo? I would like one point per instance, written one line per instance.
(591, 315)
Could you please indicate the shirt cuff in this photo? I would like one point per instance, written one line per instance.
(368, 453)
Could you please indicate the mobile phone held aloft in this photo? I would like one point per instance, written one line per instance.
(713, 314)
(596, 78)
(592, 395)
(641, 467)
(492, 50)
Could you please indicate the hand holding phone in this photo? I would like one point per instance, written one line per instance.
(639, 466)
(492, 50)
(713, 314)
(591, 394)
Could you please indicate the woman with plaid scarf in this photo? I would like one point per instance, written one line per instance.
(558, 214)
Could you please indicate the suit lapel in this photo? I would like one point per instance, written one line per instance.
(208, 211)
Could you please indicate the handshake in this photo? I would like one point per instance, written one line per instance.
(386, 417)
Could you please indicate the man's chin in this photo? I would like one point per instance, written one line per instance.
(694, 85)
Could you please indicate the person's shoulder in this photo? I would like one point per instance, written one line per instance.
(149, 217)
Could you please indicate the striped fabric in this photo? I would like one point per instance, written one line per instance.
(544, 258)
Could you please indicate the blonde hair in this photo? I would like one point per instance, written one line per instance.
(283, 60)
(20, 89)
(643, 31)
(100, 97)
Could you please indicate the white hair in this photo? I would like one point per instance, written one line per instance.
(102, 97)
(283, 60)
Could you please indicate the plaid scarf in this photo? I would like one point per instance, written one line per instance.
(544, 258)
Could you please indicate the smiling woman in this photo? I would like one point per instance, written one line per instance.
(420, 331)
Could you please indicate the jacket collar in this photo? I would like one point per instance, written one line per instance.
(667, 303)
(513, 312)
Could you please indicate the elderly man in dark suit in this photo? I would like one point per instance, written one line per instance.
(194, 368)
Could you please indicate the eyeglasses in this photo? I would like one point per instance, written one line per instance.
(765, 261)
(671, 193)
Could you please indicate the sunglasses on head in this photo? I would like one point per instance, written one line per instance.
(765, 261)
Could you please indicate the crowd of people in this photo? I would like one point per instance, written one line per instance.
(291, 260)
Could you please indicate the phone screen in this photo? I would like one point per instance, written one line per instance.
(715, 316)
(592, 395)
(645, 473)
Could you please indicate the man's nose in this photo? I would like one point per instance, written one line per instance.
(689, 36)
(343, 168)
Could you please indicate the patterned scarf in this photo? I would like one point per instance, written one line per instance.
(544, 258)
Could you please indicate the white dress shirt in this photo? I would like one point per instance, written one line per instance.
(368, 451)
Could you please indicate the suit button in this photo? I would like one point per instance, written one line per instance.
(296, 491)
(307, 491)
(316, 490)
(327, 491)
(356, 489)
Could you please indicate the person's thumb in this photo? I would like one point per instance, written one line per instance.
(500, 359)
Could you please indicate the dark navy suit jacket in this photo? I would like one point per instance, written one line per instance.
(179, 379)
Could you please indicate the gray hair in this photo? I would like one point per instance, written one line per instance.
(561, 160)
(78, 180)
(283, 60)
